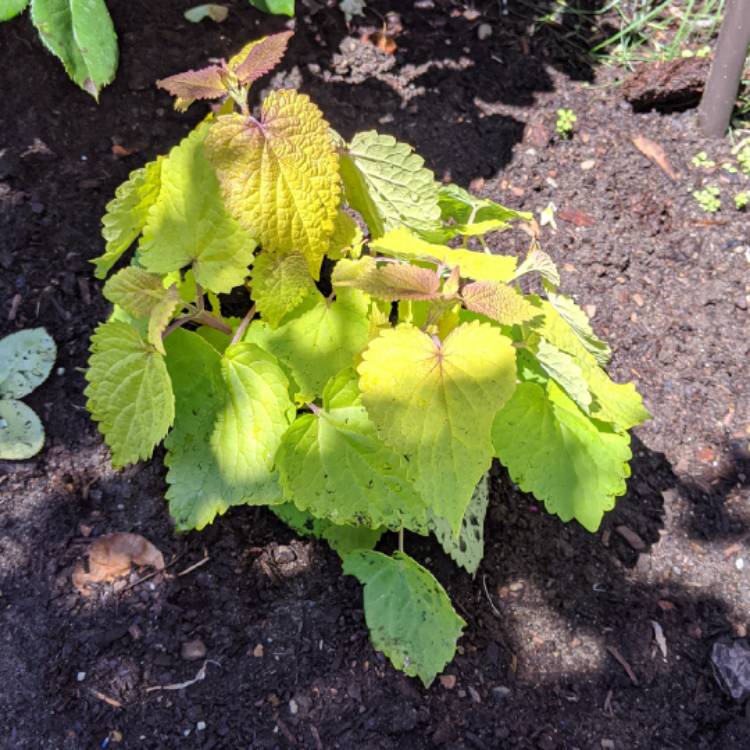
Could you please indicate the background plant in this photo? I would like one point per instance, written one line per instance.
(566, 119)
(26, 359)
(380, 362)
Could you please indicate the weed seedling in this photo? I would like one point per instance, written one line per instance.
(742, 200)
(708, 198)
(566, 119)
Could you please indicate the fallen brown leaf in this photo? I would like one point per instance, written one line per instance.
(655, 153)
(112, 555)
(576, 217)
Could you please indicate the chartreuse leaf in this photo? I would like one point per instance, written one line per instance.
(498, 302)
(578, 321)
(136, 291)
(129, 392)
(11, 8)
(333, 465)
(80, 33)
(189, 224)
(319, 340)
(231, 412)
(160, 316)
(279, 176)
(618, 403)
(434, 402)
(468, 549)
(563, 368)
(342, 539)
(408, 612)
(127, 212)
(279, 283)
(21, 432)
(401, 243)
(576, 466)
(390, 281)
(388, 184)
(26, 359)
(347, 238)
(277, 7)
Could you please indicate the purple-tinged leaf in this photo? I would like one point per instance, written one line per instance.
(393, 281)
(498, 301)
(263, 56)
(206, 83)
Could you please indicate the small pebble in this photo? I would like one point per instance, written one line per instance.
(500, 693)
(448, 681)
(739, 563)
(293, 707)
(200, 726)
(484, 31)
(192, 650)
(588, 164)
(81, 676)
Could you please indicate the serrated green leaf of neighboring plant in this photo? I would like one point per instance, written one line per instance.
(342, 539)
(575, 466)
(434, 403)
(279, 176)
(537, 260)
(460, 206)
(136, 291)
(481, 266)
(129, 392)
(230, 414)
(276, 7)
(80, 33)
(579, 323)
(160, 317)
(388, 184)
(409, 614)
(389, 281)
(319, 340)
(498, 301)
(279, 283)
(468, 549)
(188, 224)
(563, 368)
(11, 8)
(333, 465)
(618, 403)
(21, 432)
(26, 359)
(127, 212)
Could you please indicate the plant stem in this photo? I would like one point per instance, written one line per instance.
(242, 327)
(401, 539)
(206, 319)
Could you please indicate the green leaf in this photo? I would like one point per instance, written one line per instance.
(136, 291)
(618, 403)
(576, 466)
(279, 175)
(564, 369)
(468, 549)
(321, 339)
(26, 359)
(127, 212)
(80, 33)
(388, 184)
(342, 539)
(537, 260)
(434, 402)
(279, 284)
(277, 7)
(409, 615)
(160, 317)
(189, 224)
(231, 412)
(347, 238)
(401, 243)
(198, 13)
(498, 301)
(11, 8)
(460, 206)
(333, 465)
(21, 432)
(578, 321)
(129, 392)
(390, 282)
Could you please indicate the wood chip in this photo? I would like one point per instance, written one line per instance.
(622, 661)
(655, 153)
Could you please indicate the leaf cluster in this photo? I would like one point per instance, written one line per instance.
(386, 356)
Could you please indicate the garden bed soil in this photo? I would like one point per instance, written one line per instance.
(560, 649)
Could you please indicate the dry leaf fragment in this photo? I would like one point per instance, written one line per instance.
(112, 555)
(655, 153)
(661, 641)
(576, 217)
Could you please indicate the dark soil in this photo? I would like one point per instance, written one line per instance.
(290, 663)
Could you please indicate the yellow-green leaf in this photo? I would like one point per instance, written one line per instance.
(279, 175)
(279, 283)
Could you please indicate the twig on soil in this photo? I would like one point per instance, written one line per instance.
(102, 697)
(489, 598)
(623, 663)
(153, 574)
(194, 566)
(200, 675)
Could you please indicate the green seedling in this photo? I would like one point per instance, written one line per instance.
(377, 370)
(26, 358)
(742, 200)
(566, 119)
(708, 198)
(743, 157)
(701, 161)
